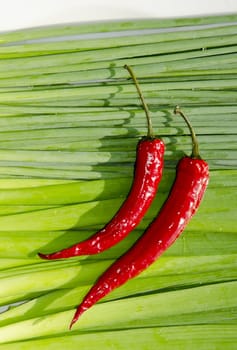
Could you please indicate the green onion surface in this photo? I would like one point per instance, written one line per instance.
(70, 120)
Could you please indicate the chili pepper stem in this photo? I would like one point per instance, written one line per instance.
(150, 133)
(195, 147)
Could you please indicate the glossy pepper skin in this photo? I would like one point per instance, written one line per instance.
(184, 199)
(147, 175)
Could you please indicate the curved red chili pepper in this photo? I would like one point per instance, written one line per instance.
(147, 175)
(183, 201)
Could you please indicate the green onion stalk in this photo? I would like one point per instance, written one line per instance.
(70, 120)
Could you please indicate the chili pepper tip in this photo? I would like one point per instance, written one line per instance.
(72, 323)
(43, 256)
(78, 313)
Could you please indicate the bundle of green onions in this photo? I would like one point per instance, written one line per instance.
(70, 119)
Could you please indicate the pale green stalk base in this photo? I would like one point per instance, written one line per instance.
(70, 120)
(196, 337)
(187, 306)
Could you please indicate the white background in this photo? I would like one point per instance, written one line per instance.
(15, 14)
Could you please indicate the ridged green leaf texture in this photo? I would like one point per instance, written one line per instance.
(70, 119)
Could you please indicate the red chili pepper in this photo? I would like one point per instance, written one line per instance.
(147, 176)
(183, 201)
